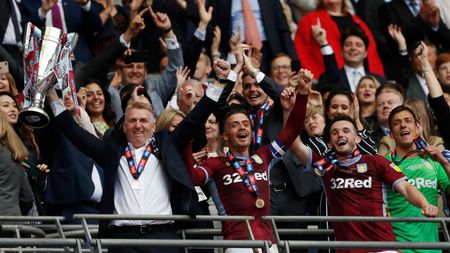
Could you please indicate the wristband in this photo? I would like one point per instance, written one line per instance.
(324, 46)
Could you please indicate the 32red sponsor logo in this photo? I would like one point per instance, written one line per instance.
(235, 178)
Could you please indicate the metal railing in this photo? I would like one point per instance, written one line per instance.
(58, 241)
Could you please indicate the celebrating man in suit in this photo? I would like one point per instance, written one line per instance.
(354, 50)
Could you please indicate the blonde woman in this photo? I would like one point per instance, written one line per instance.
(14, 186)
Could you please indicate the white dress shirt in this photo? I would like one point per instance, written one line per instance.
(354, 75)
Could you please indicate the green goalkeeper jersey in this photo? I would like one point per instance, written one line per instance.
(428, 177)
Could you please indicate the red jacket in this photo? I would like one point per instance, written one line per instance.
(308, 49)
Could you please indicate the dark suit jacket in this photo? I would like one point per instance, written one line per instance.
(77, 20)
(415, 90)
(413, 28)
(338, 77)
(289, 169)
(107, 154)
(274, 22)
(5, 15)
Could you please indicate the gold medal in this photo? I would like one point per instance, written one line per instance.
(259, 203)
(135, 185)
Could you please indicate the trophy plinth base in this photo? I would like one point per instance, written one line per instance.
(34, 117)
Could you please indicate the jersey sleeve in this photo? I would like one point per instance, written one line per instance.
(442, 177)
(201, 173)
(391, 174)
(312, 158)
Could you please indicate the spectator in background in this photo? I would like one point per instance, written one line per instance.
(365, 92)
(281, 69)
(8, 84)
(443, 69)
(11, 28)
(425, 119)
(355, 45)
(80, 16)
(115, 20)
(261, 24)
(334, 17)
(32, 164)
(418, 20)
(188, 95)
(98, 106)
(416, 86)
(314, 121)
(388, 96)
(15, 188)
(135, 70)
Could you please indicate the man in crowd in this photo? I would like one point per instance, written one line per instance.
(387, 97)
(355, 184)
(354, 51)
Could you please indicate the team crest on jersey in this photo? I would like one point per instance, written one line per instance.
(257, 159)
(361, 168)
(395, 167)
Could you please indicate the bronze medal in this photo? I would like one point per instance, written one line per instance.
(259, 203)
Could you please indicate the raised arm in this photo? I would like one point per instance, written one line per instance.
(436, 97)
(82, 139)
(167, 83)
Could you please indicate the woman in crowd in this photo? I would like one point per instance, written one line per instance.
(36, 172)
(428, 126)
(314, 121)
(365, 92)
(8, 84)
(16, 190)
(98, 106)
(335, 18)
(443, 69)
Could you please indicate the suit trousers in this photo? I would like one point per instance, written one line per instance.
(163, 232)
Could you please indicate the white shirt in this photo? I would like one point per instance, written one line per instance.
(152, 196)
(10, 35)
(237, 18)
(354, 75)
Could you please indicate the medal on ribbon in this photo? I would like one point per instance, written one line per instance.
(248, 178)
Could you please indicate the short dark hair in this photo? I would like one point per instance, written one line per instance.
(355, 31)
(400, 109)
(340, 118)
(229, 111)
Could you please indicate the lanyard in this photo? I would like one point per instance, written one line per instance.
(136, 171)
(257, 132)
(325, 164)
(247, 176)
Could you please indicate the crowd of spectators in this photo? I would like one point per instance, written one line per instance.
(173, 71)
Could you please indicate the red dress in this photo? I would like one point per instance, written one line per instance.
(308, 49)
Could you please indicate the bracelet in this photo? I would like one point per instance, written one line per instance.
(167, 31)
(403, 51)
(324, 46)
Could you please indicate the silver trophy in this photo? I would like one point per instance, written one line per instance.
(46, 57)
